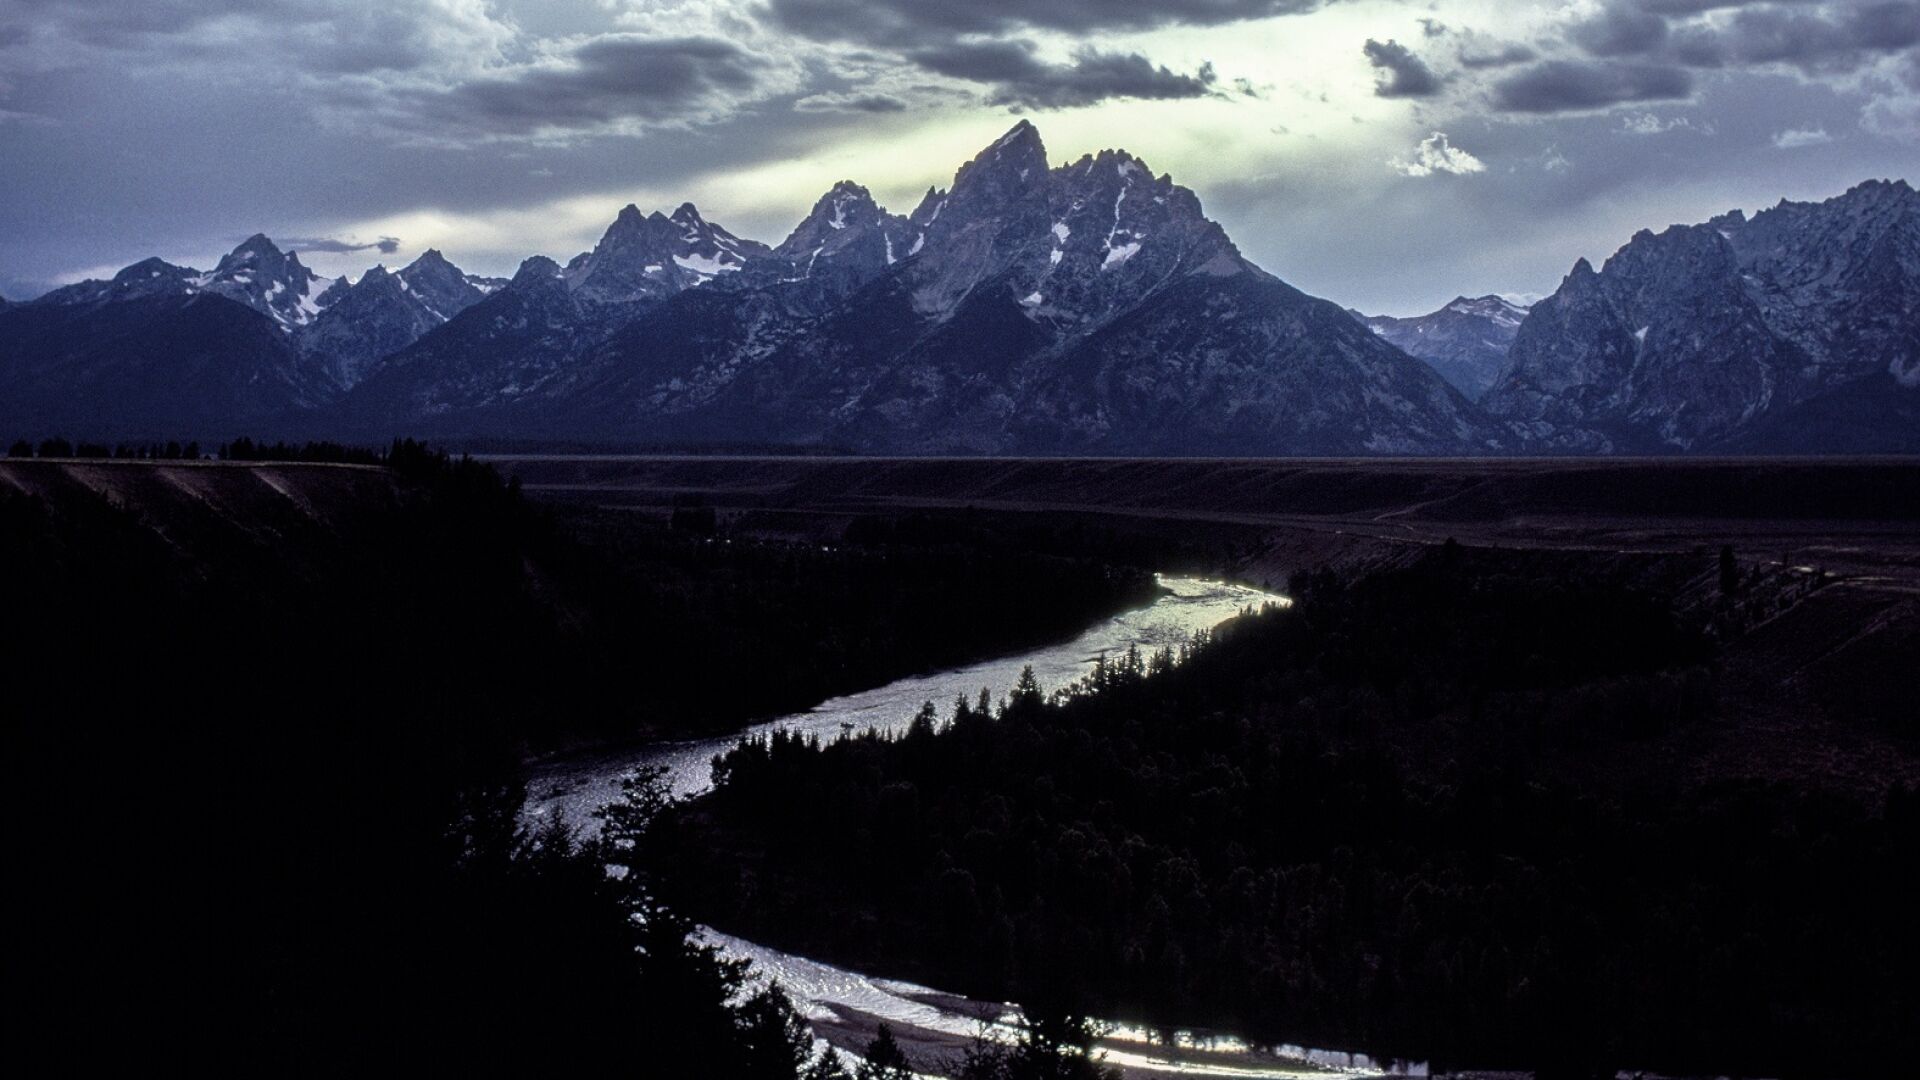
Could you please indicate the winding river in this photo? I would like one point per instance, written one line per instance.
(829, 995)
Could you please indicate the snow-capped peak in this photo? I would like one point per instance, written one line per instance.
(656, 255)
(1495, 309)
(257, 273)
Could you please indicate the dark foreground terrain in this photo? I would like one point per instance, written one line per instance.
(1572, 766)
(1620, 778)
(266, 723)
(1486, 809)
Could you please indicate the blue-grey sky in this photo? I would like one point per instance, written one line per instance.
(1387, 154)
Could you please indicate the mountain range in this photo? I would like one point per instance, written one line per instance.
(1718, 336)
(1084, 308)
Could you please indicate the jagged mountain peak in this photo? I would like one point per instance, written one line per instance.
(433, 269)
(382, 313)
(1021, 138)
(274, 282)
(1677, 251)
(256, 252)
(1012, 168)
(1111, 158)
(654, 256)
(431, 259)
(1021, 148)
(843, 197)
(847, 240)
(1072, 244)
(1876, 189)
(151, 267)
(256, 245)
(536, 269)
(847, 209)
(932, 204)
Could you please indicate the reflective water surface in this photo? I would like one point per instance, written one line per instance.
(578, 786)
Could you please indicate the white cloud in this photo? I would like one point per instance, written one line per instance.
(1650, 124)
(1437, 155)
(1795, 138)
(1893, 118)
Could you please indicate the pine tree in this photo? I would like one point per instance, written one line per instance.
(1027, 699)
(1057, 1046)
(776, 1042)
(924, 722)
(826, 1066)
(884, 1060)
(687, 984)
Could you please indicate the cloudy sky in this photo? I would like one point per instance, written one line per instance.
(1387, 154)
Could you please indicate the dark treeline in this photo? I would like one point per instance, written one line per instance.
(402, 452)
(58, 447)
(264, 753)
(1447, 812)
(1065, 536)
(241, 449)
(751, 626)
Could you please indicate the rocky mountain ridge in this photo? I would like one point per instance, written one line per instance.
(1085, 308)
(1692, 338)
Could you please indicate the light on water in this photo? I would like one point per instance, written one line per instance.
(577, 787)
(823, 992)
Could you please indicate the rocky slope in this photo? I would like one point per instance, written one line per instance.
(1704, 337)
(154, 367)
(364, 322)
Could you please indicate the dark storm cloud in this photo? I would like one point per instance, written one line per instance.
(1687, 7)
(1701, 7)
(344, 37)
(851, 103)
(1482, 56)
(1576, 86)
(933, 22)
(1399, 73)
(386, 245)
(1699, 47)
(1815, 38)
(1620, 29)
(1018, 77)
(1822, 41)
(603, 82)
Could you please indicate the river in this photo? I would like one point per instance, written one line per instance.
(831, 996)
